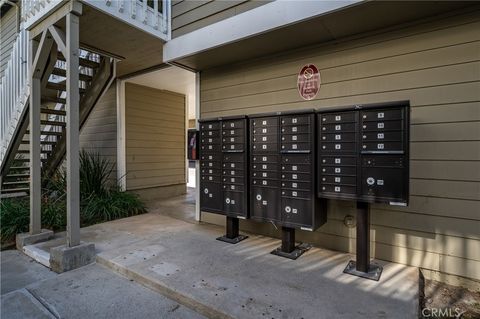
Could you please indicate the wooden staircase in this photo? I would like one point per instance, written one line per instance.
(95, 74)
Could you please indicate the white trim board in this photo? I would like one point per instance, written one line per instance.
(254, 22)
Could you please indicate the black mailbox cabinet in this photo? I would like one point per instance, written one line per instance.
(363, 153)
(224, 166)
(283, 170)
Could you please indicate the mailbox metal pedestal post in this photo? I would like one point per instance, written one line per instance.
(233, 235)
(362, 266)
(288, 248)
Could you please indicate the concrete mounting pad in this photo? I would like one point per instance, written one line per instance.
(25, 239)
(185, 262)
(64, 258)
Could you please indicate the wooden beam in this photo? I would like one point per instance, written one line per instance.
(59, 37)
(42, 55)
(35, 148)
(73, 131)
(54, 17)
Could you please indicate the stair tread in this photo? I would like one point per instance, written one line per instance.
(62, 72)
(54, 99)
(53, 123)
(47, 133)
(16, 183)
(18, 175)
(82, 61)
(17, 189)
(60, 87)
(51, 111)
(20, 167)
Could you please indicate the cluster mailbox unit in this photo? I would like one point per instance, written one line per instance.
(281, 167)
(224, 171)
(363, 156)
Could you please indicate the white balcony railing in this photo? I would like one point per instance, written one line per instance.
(152, 16)
(14, 91)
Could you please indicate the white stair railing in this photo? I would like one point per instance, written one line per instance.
(14, 91)
(152, 16)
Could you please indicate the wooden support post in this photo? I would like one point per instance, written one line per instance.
(73, 126)
(34, 135)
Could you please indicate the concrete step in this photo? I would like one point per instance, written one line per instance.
(37, 254)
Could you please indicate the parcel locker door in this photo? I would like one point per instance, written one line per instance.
(297, 212)
(265, 203)
(233, 203)
(211, 196)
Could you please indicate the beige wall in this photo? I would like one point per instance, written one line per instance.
(99, 133)
(155, 140)
(189, 15)
(436, 66)
(8, 34)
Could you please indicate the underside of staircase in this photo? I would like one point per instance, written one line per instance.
(95, 74)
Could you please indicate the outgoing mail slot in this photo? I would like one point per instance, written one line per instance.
(338, 189)
(295, 120)
(338, 137)
(340, 127)
(230, 147)
(267, 158)
(295, 138)
(296, 193)
(344, 180)
(233, 158)
(382, 115)
(295, 176)
(265, 147)
(266, 182)
(296, 185)
(297, 212)
(296, 159)
(264, 122)
(338, 161)
(390, 136)
(382, 147)
(295, 147)
(296, 129)
(233, 203)
(342, 117)
(265, 203)
(382, 126)
(340, 147)
(211, 196)
(265, 167)
(339, 171)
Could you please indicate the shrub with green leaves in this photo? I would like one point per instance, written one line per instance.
(101, 200)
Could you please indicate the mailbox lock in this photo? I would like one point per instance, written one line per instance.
(206, 190)
(288, 209)
(370, 181)
(259, 197)
(227, 200)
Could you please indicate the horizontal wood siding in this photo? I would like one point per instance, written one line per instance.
(99, 133)
(189, 15)
(8, 34)
(155, 137)
(435, 65)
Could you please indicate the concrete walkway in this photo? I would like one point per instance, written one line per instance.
(29, 290)
(184, 262)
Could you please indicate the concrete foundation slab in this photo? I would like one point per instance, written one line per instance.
(25, 239)
(20, 304)
(64, 258)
